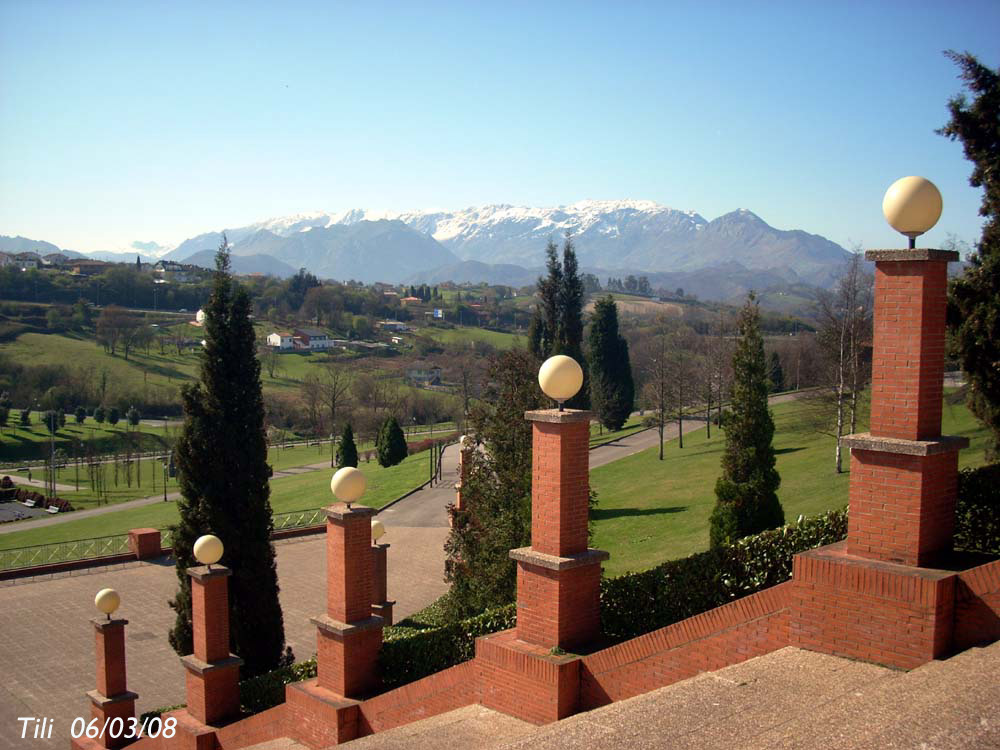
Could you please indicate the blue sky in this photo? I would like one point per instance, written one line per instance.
(157, 121)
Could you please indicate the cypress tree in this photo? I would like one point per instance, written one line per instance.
(974, 297)
(223, 476)
(746, 493)
(390, 445)
(347, 451)
(570, 330)
(113, 416)
(612, 390)
(776, 374)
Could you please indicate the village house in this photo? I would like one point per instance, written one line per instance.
(392, 325)
(88, 267)
(424, 375)
(313, 338)
(280, 340)
(6, 259)
(26, 261)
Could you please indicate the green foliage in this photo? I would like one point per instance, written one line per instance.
(80, 415)
(223, 476)
(496, 498)
(51, 420)
(25, 417)
(4, 415)
(977, 515)
(268, 690)
(113, 416)
(974, 297)
(747, 492)
(347, 450)
(775, 374)
(390, 444)
(61, 414)
(637, 603)
(133, 416)
(99, 415)
(612, 390)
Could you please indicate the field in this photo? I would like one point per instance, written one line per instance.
(301, 492)
(453, 336)
(650, 511)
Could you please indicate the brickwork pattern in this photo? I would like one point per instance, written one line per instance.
(210, 616)
(558, 608)
(145, 543)
(902, 508)
(866, 609)
(109, 640)
(560, 487)
(316, 718)
(379, 573)
(349, 568)
(748, 627)
(348, 664)
(526, 681)
(977, 606)
(214, 695)
(909, 349)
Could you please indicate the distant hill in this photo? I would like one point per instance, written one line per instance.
(244, 264)
(24, 245)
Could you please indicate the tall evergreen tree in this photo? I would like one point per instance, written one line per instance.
(612, 390)
(223, 475)
(390, 445)
(776, 374)
(974, 297)
(746, 493)
(535, 334)
(347, 450)
(548, 289)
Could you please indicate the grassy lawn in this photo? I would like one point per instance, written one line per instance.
(463, 334)
(32, 442)
(600, 437)
(302, 492)
(651, 511)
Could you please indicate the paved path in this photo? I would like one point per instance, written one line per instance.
(36, 482)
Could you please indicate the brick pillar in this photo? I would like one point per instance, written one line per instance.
(466, 448)
(904, 472)
(558, 577)
(145, 543)
(111, 700)
(381, 605)
(349, 636)
(212, 673)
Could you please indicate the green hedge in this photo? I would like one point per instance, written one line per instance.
(264, 691)
(977, 516)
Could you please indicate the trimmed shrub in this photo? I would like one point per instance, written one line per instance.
(977, 515)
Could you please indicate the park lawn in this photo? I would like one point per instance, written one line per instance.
(32, 443)
(651, 511)
(600, 437)
(463, 334)
(288, 494)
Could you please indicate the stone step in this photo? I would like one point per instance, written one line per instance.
(464, 728)
(281, 743)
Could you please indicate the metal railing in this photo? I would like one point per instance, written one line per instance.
(46, 554)
(299, 519)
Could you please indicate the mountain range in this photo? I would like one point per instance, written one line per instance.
(505, 244)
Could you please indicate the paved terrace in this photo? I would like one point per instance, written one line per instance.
(47, 656)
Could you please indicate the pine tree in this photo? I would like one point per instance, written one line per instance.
(746, 493)
(51, 420)
(776, 374)
(223, 476)
(390, 445)
(100, 415)
(570, 333)
(347, 451)
(113, 416)
(974, 297)
(80, 415)
(535, 334)
(612, 390)
(25, 417)
(548, 289)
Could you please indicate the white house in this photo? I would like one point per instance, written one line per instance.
(27, 260)
(392, 325)
(313, 338)
(6, 259)
(280, 340)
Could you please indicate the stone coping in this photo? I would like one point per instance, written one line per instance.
(196, 665)
(102, 701)
(917, 253)
(868, 442)
(103, 624)
(837, 552)
(558, 417)
(207, 572)
(339, 629)
(529, 556)
(344, 512)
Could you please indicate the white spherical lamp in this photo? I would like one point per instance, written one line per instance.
(378, 529)
(348, 484)
(107, 601)
(560, 378)
(912, 205)
(208, 549)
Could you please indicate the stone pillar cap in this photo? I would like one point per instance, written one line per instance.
(206, 572)
(102, 623)
(558, 417)
(343, 512)
(917, 253)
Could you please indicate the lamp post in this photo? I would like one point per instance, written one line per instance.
(912, 205)
(560, 378)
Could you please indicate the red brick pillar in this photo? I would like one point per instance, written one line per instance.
(904, 472)
(349, 636)
(111, 700)
(381, 605)
(212, 673)
(466, 448)
(558, 577)
(145, 543)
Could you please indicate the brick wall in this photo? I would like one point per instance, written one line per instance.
(867, 609)
(349, 569)
(560, 487)
(210, 616)
(437, 694)
(748, 627)
(977, 606)
(110, 648)
(908, 349)
(347, 664)
(902, 506)
(558, 607)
